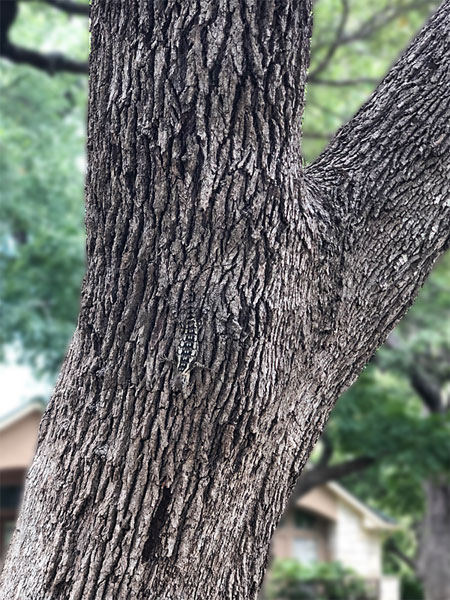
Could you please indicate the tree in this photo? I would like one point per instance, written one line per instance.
(52, 62)
(42, 239)
(43, 108)
(393, 425)
(157, 476)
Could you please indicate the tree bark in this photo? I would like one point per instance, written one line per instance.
(433, 554)
(434, 541)
(229, 297)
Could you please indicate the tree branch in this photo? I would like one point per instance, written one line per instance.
(51, 62)
(381, 19)
(323, 64)
(374, 23)
(316, 135)
(392, 547)
(319, 475)
(327, 451)
(72, 8)
(329, 111)
(383, 181)
(427, 390)
(343, 82)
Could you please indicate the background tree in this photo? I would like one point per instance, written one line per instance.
(42, 170)
(316, 74)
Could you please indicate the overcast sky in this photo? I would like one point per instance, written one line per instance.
(17, 385)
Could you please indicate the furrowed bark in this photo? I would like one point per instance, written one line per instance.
(150, 485)
(384, 179)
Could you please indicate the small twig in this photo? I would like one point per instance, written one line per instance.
(392, 547)
(343, 82)
(68, 6)
(315, 135)
(51, 62)
(323, 64)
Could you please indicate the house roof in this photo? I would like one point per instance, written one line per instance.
(371, 518)
(18, 436)
(34, 405)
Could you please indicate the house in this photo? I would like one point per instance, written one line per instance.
(330, 524)
(18, 437)
(326, 524)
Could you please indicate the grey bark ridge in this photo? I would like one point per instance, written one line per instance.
(195, 185)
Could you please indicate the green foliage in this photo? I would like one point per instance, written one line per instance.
(41, 237)
(41, 27)
(41, 214)
(368, 52)
(411, 588)
(382, 417)
(290, 580)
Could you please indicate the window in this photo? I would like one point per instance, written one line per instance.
(10, 496)
(305, 550)
(7, 531)
(304, 520)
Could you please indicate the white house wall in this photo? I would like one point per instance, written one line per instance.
(389, 588)
(354, 546)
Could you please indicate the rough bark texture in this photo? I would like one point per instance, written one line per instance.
(149, 484)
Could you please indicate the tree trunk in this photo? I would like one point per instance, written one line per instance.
(433, 553)
(229, 297)
(434, 542)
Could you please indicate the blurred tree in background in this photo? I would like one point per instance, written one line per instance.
(392, 426)
(290, 580)
(42, 140)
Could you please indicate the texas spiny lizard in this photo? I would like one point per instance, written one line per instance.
(188, 347)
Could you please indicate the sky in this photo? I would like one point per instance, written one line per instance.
(18, 385)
